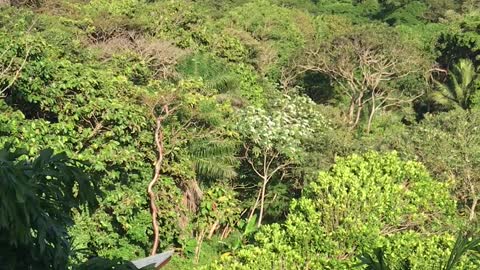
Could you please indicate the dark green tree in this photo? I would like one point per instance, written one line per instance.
(36, 199)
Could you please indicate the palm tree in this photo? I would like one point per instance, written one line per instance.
(459, 90)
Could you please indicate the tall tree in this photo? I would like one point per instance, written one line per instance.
(274, 139)
(365, 62)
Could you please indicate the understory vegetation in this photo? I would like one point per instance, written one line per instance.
(242, 134)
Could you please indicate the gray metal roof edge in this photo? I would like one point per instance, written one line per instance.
(154, 260)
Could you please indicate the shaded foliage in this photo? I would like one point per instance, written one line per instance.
(37, 196)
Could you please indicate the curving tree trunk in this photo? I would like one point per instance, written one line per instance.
(156, 176)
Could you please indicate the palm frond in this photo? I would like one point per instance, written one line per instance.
(214, 158)
(466, 70)
(211, 148)
(377, 262)
(215, 168)
(201, 65)
(460, 87)
(468, 76)
(456, 88)
(443, 95)
(223, 83)
(465, 243)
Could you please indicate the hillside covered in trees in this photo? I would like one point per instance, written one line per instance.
(242, 134)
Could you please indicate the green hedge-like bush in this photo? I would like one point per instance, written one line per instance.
(362, 203)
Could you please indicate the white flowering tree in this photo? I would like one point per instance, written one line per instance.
(274, 138)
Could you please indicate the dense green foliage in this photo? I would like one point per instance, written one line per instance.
(267, 126)
(465, 244)
(407, 210)
(36, 201)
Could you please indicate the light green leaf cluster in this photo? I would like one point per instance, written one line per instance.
(122, 7)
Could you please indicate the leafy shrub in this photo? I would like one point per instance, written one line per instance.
(362, 203)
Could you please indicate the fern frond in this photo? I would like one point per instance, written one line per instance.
(215, 168)
(212, 148)
(201, 65)
(223, 83)
(214, 158)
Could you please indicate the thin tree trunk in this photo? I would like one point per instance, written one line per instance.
(357, 118)
(198, 248)
(474, 196)
(370, 119)
(372, 113)
(151, 193)
(351, 111)
(227, 232)
(224, 232)
(212, 230)
(262, 201)
(472, 209)
(359, 103)
(254, 206)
